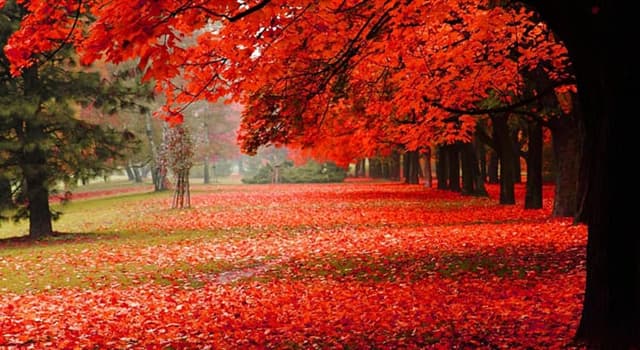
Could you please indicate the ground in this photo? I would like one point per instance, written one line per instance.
(354, 265)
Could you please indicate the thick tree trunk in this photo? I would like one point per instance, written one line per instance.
(394, 166)
(492, 172)
(482, 158)
(39, 211)
(472, 180)
(385, 165)
(454, 167)
(567, 135)
(504, 147)
(533, 196)
(595, 35)
(442, 168)
(412, 167)
(468, 173)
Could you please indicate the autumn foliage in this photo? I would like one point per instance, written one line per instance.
(349, 78)
(331, 266)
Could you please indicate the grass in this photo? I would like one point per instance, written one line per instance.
(100, 224)
(86, 215)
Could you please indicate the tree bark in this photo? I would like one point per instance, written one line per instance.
(205, 171)
(375, 166)
(492, 172)
(6, 199)
(453, 152)
(595, 35)
(468, 174)
(472, 180)
(412, 167)
(504, 147)
(482, 157)
(517, 168)
(533, 195)
(428, 177)
(566, 134)
(394, 166)
(39, 211)
(442, 167)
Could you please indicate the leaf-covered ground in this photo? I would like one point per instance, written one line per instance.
(357, 265)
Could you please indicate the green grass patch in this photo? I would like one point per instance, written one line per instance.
(119, 274)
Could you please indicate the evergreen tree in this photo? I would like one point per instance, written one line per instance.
(42, 141)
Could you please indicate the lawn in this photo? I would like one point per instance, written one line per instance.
(354, 265)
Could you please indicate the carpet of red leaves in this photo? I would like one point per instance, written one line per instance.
(356, 265)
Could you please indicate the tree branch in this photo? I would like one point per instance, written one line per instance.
(238, 16)
(503, 109)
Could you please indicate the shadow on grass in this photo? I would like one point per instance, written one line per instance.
(57, 238)
(504, 262)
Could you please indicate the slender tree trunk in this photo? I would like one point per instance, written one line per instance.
(157, 174)
(206, 175)
(566, 134)
(492, 172)
(504, 147)
(454, 167)
(533, 196)
(517, 168)
(428, 178)
(442, 167)
(359, 168)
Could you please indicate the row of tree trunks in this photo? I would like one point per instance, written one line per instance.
(392, 167)
(133, 172)
(454, 159)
